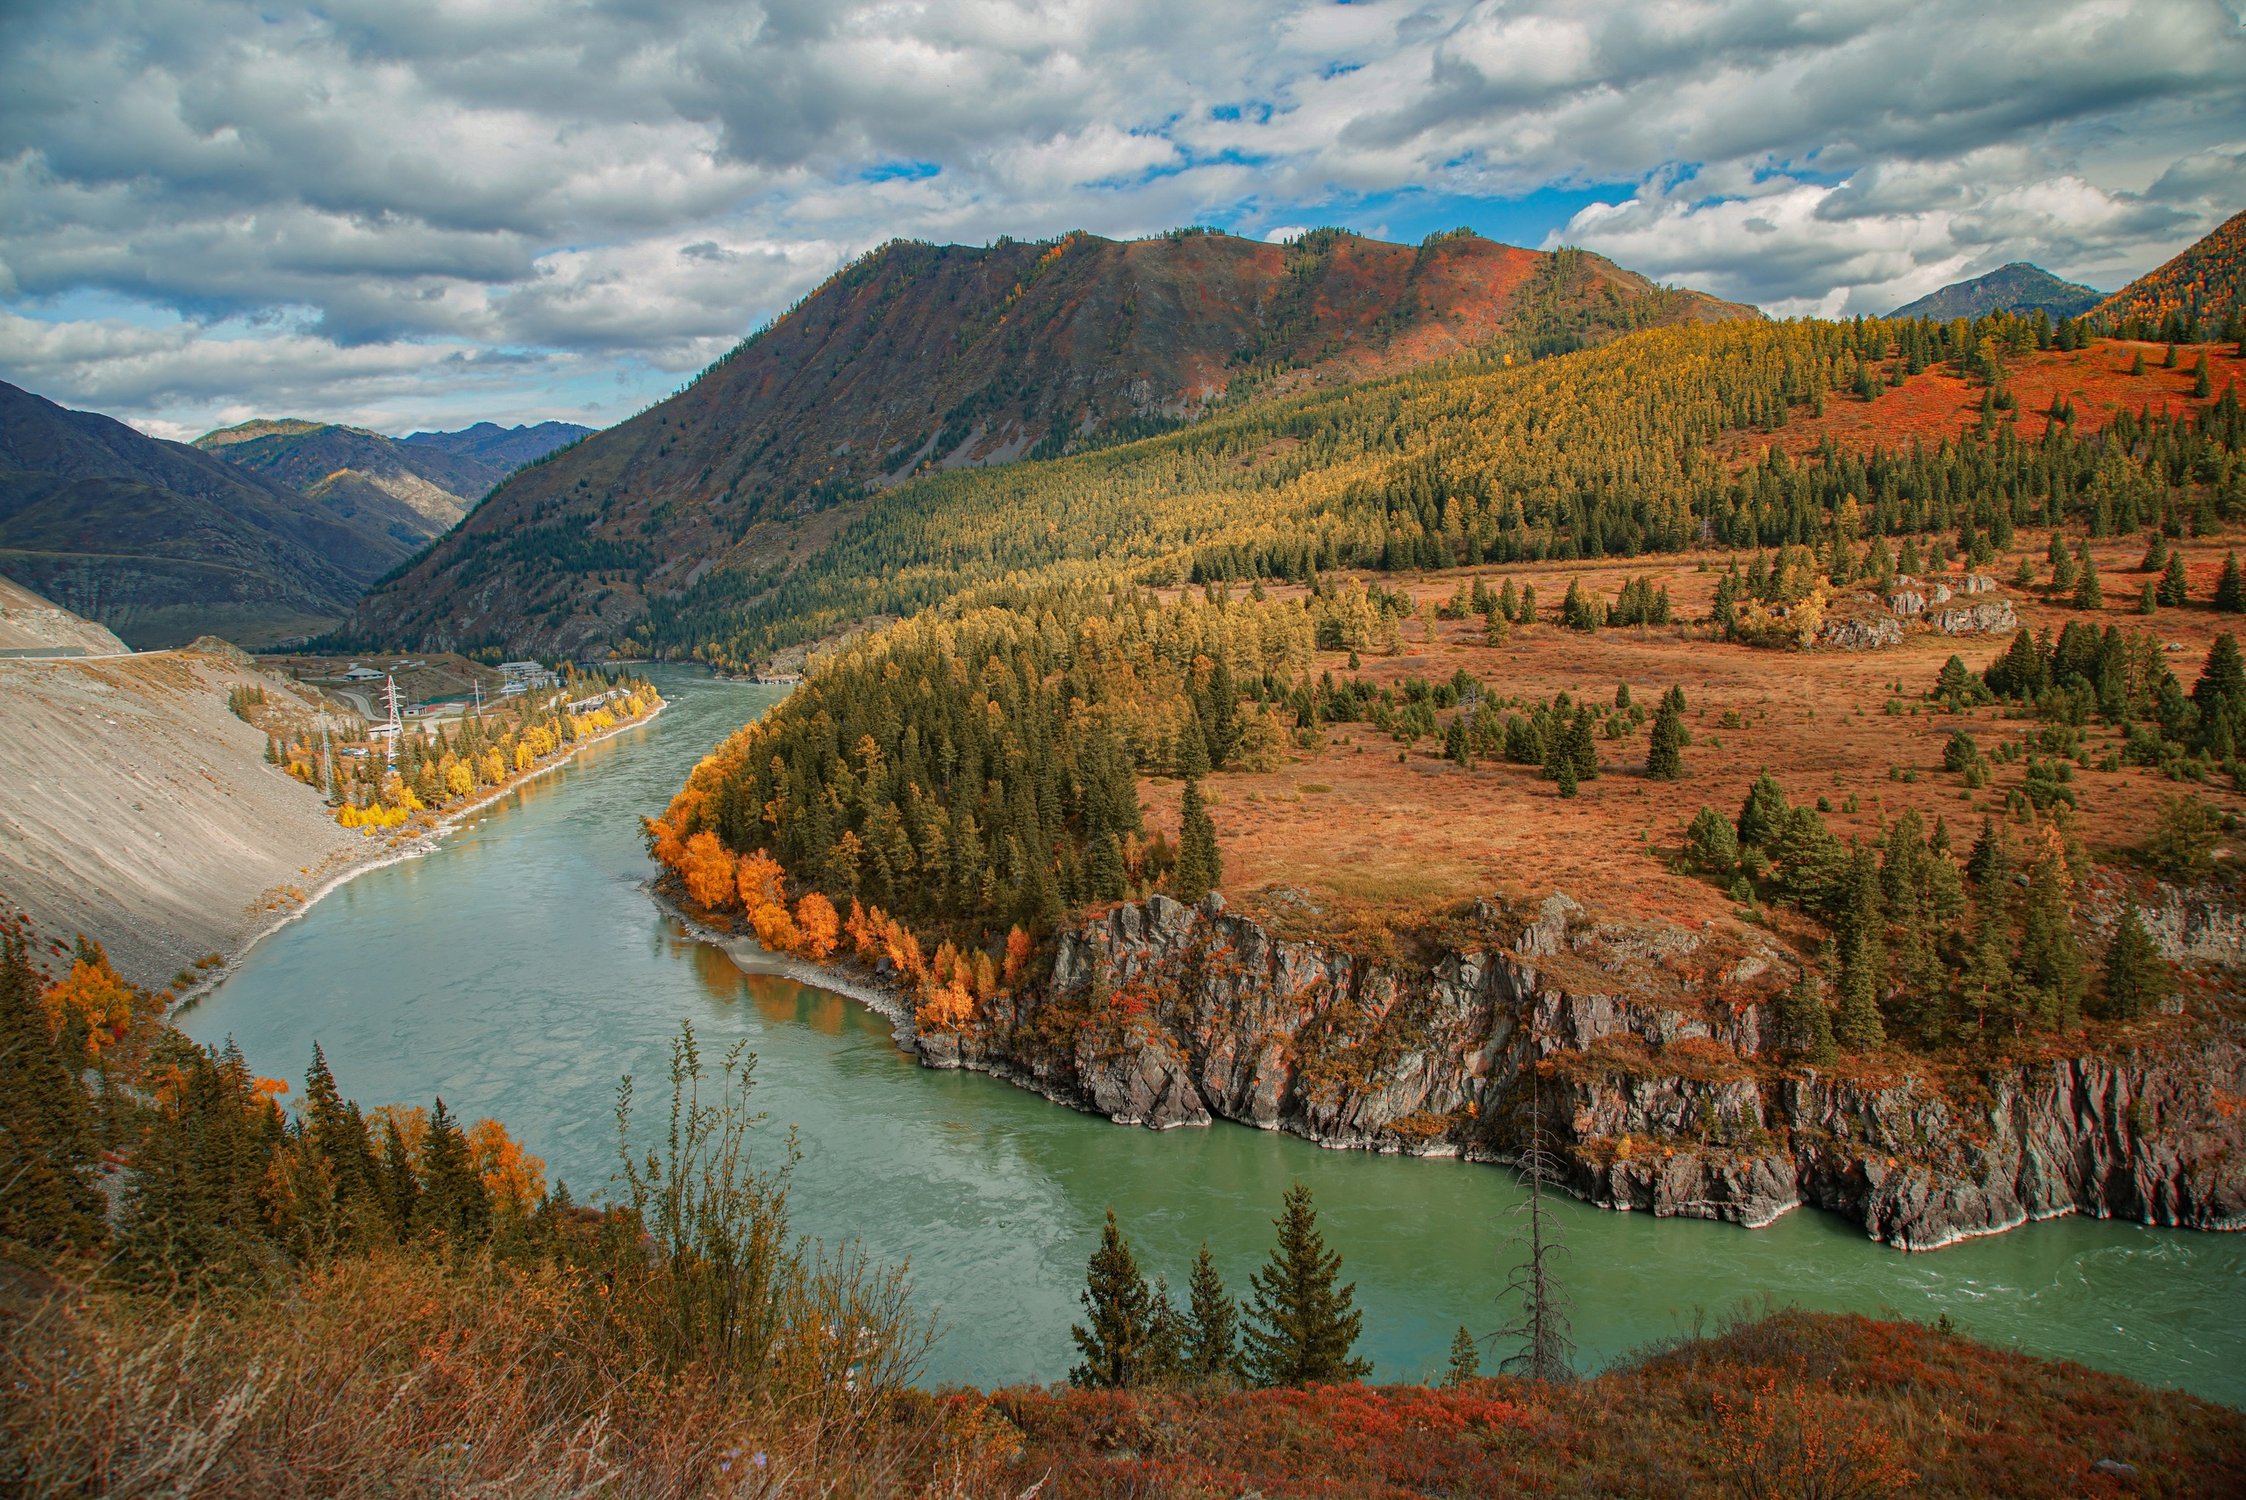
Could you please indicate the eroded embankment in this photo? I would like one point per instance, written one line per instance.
(135, 806)
(1164, 1015)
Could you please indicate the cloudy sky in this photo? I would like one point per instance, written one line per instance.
(407, 213)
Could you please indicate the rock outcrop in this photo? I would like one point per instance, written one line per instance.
(1652, 1042)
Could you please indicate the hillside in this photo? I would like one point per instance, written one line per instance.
(921, 358)
(503, 448)
(413, 493)
(162, 542)
(138, 808)
(2199, 294)
(31, 625)
(2016, 288)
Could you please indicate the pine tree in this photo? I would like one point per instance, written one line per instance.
(1465, 1361)
(2137, 978)
(1166, 1334)
(1583, 745)
(1805, 1027)
(2087, 593)
(2050, 962)
(1193, 750)
(48, 1200)
(454, 1204)
(1665, 745)
(1856, 1022)
(2222, 678)
(1302, 1325)
(2230, 588)
(1763, 814)
(1212, 1338)
(2175, 588)
(1118, 1345)
(1110, 879)
(2201, 387)
(1200, 867)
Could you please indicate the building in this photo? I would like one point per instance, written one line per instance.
(521, 676)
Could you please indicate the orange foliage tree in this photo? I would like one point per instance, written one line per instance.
(707, 869)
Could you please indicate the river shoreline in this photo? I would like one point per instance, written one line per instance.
(379, 854)
(1983, 1209)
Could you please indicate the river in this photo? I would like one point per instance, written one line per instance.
(519, 969)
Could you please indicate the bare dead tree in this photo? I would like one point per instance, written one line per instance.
(1545, 1346)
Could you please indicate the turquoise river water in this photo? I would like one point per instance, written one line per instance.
(520, 968)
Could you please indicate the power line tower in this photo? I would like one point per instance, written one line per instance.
(396, 726)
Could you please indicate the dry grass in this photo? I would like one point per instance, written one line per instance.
(1937, 403)
(1381, 841)
(391, 1375)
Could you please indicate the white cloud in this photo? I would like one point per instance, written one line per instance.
(489, 201)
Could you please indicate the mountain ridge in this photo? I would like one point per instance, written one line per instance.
(920, 358)
(162, 542)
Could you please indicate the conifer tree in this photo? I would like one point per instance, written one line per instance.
(1117, 1339)
(2050, 962)
(1805, 1027)
(1465, 1361)
(1192, 750)
(2175, 588)
(1212, 1336)
(1200, 867)
(1302, 1323)
(2087, 593)
(1665, 745)
(1583, 745)
(48, 1200)
(454, 1202)
(2137, 979)
(1165, 1337)
(1856, 1022)
(1763, 814)
(2230, 588)
(1110, 879)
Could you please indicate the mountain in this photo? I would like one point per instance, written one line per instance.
(412, 492)
(2016, 288)
(162, 542)
(920, 358)
(506, 448)
(2206, 283)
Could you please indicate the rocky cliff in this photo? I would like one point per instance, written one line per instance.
(1652, 1045)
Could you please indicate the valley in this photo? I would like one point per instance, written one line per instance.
(1566, 744)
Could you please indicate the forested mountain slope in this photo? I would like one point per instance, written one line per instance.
(1646, 445)
(162, 542)
(411, 491)
(925, 358)
(2199, 294)
(2016, 288)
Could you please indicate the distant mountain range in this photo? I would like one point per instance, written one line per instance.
(162, 542)
(2016, 288)
(438, 475)
(263, 532)
(503, 448)
(920, 357)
